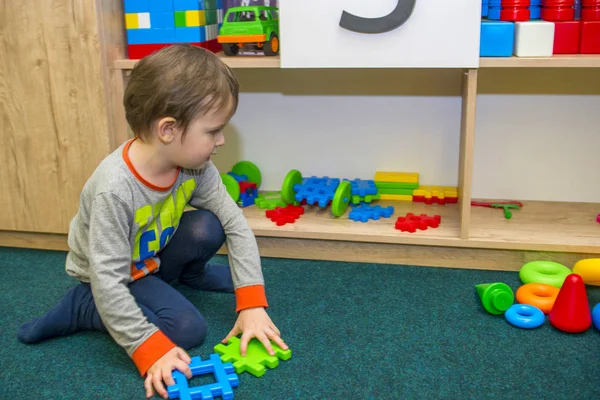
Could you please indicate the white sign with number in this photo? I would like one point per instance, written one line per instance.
(380, 33)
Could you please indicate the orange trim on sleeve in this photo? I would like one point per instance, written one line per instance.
(151, 350)
(138, 176)
(250, 297)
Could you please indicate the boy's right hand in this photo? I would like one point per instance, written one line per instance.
(176, 358)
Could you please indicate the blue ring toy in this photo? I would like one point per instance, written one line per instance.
(525, 316)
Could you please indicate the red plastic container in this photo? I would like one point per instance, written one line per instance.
(558, 13)
(590, 13)
(515, 3)
(590, 37)
(558, 3)
(567, 36)
(515, 14)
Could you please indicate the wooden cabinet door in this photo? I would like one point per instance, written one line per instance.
(53, 111)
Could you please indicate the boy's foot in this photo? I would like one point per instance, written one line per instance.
(214, 277)
(67, 317)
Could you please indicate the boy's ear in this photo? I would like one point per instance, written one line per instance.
(167, 129)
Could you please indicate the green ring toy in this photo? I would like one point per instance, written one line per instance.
(548, 272)
(232, 186)
(341, 198)
(294, 177)
(250, 170)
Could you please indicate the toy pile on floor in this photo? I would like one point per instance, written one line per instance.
(286, 206)
(549, 288)
(225, 364)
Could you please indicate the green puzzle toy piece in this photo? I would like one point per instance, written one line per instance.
(256, 358)
(269, 200)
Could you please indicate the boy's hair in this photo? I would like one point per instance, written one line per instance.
(179, 81)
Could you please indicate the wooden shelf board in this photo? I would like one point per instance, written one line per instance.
(557, 61)
(539, 226)
(242, 61)
(319, 223)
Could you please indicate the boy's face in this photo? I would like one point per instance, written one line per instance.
(204, 136)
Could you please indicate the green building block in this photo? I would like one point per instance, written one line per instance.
(180, 19)
(256, 358)
(396, 185)
(356, 199)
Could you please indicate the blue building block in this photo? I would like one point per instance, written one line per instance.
(237, 177)
(161, 6)
(184, 5)
(136, 6)
(190, 34)
(161, 20)
(362, 187)
(150, 36)
(497, 39)
(248, 199)
(226, 380)
(485, 5)
(317, 190)
(364, 212)
(535, 12)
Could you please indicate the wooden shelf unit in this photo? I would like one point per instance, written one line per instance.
(469, 237)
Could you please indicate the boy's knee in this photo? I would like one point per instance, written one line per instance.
(190, 331)
(207, 230)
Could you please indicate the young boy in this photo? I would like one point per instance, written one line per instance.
(131, 237)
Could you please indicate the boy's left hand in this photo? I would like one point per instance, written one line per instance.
(254, 322)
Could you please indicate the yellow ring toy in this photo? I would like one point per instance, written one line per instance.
(589, 270)
(539, 295)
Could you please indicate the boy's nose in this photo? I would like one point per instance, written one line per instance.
(220, 140)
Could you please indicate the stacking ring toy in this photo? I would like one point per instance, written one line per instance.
(525, 316)
(589, 270)
(596, 316)
(539, 295)
(548, 272)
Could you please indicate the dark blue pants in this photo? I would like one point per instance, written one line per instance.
(198, 238)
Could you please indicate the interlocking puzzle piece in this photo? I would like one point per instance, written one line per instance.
(247, 199)
(364, 212)
(411, 222)
(284, 215)
(224, 374)
(239, 178)
(436, 194)
(317, 190)
(400, 177)
(256, 358)
(269, 200)
(362, 187)
(246, 186)
(356, 199)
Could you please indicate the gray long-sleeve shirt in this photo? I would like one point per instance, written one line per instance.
(124, 221)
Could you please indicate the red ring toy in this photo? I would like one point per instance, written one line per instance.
(539, 295)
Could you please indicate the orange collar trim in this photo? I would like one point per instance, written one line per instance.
(138, 176)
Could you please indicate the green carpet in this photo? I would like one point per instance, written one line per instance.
(359, 331)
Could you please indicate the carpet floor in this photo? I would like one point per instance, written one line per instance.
(357, 331)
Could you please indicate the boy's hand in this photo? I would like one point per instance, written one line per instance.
(176, 358)
(254, 322)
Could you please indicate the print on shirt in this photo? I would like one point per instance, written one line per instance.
(156, 225)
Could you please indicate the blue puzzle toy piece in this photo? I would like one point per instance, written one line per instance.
(317, 190)
(226, 380)
(497, 39)
(237, 177)
(362, 187)
(364, 212)
(248, 199)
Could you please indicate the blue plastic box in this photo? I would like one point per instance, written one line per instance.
(497, 39)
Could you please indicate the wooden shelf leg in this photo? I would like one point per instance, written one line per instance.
(467, 140)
